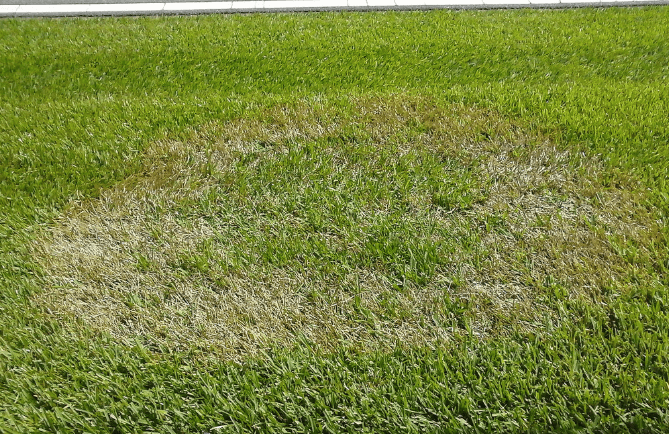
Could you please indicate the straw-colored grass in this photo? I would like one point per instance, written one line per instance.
(381, 222)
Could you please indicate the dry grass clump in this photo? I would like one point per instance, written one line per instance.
(265, 231)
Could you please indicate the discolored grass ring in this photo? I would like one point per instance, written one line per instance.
(372, 223)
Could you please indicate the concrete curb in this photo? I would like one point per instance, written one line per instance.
(268, 6)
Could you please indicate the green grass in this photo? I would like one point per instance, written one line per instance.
(362, 172)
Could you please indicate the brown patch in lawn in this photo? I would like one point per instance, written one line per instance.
(127, 262)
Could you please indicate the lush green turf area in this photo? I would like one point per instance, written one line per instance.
(92, 107)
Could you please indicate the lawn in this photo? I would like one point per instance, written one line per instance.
(435, 221)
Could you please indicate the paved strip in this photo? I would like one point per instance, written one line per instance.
(189, 8)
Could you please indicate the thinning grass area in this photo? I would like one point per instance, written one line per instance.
(383, 222)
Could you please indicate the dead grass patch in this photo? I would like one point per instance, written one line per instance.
(156, 257)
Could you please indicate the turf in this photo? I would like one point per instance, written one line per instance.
(447, 221)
